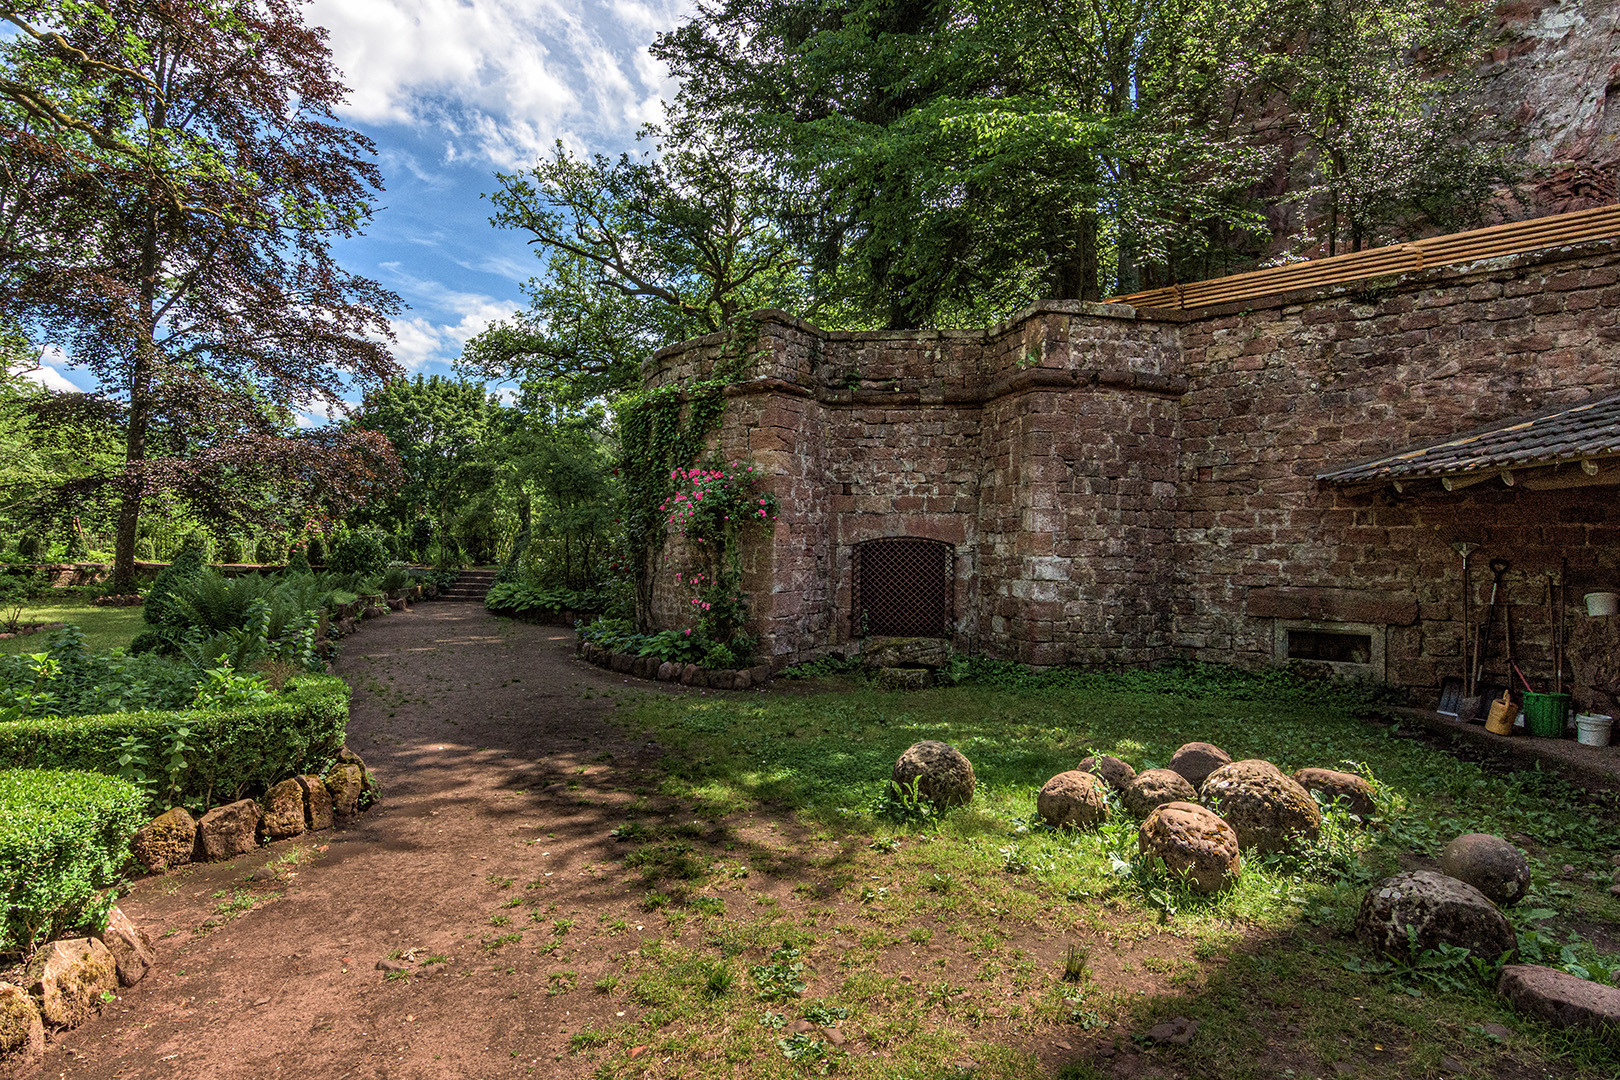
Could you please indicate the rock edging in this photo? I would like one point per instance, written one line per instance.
(650, 667)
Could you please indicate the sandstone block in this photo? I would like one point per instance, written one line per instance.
(283, 811)
(1196, 760)
(938, 771)
(68, 977)
(1352, 790)
(1074, 800)
(131, 947)
(1420, 909)
(165, 841)
(887, 652)
(22, 1032)
(1490, 864)
(1560, 999)
(1116, 773)
(317, 802)
(667, 671)
(345, 784)
(1269, 811)
(902, 678)
(1153, 788)
(228, 831)
(1193, 843)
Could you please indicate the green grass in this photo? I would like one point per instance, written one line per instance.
(1270, 968)
(104, 628)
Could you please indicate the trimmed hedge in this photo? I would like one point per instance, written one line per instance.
(64, 839)
(198, 758)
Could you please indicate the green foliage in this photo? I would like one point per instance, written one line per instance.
(69, 679)
(522, 600)
(619, 635)
(64, 841)
(360, 551)
(228, 751)
(159, 609)
(781, 976)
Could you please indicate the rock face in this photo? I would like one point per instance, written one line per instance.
(68, 978)
(1074, 800)
(1194, 844)
(317, 802)
(283, 811)
(165, 841)
(1116, 773)
(1438, 909)
(903, 678)
(896, 652)
(1196, 760)
(22, 1032)
(1155, 787)
(941, 774)
(1269, 811)
(1490, 864)
(1560, 999)
(130, 946)
(1348, 788)
(230, 830)
(345, 783)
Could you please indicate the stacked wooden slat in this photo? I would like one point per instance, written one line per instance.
(1487, 243)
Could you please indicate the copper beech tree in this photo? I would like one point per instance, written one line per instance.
(172, 177)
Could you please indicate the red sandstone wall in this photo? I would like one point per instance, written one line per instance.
(1282, 393)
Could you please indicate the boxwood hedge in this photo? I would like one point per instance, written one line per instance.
(64, 840)
(196, 758)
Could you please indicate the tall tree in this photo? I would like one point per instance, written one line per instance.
(168, 220)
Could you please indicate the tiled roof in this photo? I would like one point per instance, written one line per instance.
(1568, 433)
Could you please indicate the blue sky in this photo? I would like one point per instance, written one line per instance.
(451, 91)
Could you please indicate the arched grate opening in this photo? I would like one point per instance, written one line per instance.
(902, 588)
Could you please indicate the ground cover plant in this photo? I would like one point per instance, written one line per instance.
(889, 940)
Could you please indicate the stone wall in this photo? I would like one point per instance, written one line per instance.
(1123, 486)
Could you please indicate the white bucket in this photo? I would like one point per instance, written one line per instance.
(1602, 603)
(1592, 729)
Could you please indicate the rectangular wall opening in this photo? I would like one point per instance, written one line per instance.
(1329, 646)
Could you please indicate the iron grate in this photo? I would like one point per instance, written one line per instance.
(902, 588)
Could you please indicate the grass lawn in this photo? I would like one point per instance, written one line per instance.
(797, 901)
(104, 628)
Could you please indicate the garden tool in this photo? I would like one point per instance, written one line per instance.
(1499, 567)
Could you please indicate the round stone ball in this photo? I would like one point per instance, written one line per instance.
(1196, 760)
(941, 773)
(1073, 800)
(1194, 844)
(1421, 909)
(1269, 811)
(1155, 787)
(1334, 786)
(1490, 864)
(1116, 773)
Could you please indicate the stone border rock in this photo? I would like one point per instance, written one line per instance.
(296, 805)
(650, 667)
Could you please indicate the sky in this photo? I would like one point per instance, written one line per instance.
(453, 91)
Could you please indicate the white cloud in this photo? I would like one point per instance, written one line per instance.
(421, 340)
(501, 78)
(52, 379)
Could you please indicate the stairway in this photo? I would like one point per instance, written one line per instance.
(471, 586)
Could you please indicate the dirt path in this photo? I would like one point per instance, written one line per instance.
(500, 779)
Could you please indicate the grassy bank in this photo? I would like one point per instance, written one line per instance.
(981, 943)
(104, 627)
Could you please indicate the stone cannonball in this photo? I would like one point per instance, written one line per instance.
(1196, 760)
(942, 775)
(1421, 909)
(1194, 844)
(1269, 811)
(1074, 800)
(1490, 864)
(1155, 787)
(1352, 790)
(1117, 773)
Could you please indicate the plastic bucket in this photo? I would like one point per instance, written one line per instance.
(1546, 714)
(1592, 729)
(1602, 603)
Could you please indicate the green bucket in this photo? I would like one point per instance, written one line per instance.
(1546, 714)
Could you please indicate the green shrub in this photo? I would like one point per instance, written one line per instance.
(159, 609)
(523, 600)
(196, 757)
(69, 678)
(315, 551)
(363, 551)
(64, 839)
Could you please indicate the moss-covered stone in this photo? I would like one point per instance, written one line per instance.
(69, 978)
(22, 1031)
(166, 841)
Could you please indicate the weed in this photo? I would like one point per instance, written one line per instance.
(589, 1039)
(781, 976)
(606, 984)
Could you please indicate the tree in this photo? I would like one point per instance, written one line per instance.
(179, 246)
(640, 252)
(441, 429)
